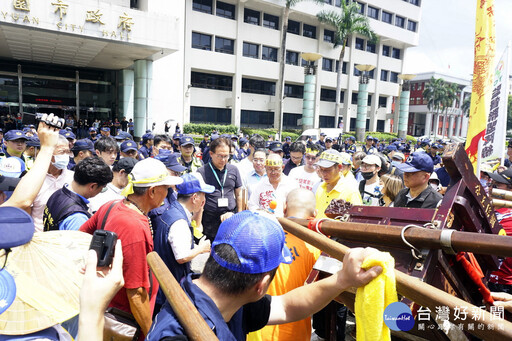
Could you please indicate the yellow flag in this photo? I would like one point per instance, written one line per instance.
(482, 77)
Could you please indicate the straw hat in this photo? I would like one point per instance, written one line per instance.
(48, 280)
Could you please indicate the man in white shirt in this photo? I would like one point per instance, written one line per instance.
(254, 176)
(255, 142)
(275, 187)
(58, 175)
(306, 176)
(112, 191)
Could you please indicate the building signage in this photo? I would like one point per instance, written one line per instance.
(70, 17)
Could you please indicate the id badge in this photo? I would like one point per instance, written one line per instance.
(223, 202)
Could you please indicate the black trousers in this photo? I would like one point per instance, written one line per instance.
(211, 223)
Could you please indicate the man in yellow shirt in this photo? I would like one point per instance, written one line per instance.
(330, 164)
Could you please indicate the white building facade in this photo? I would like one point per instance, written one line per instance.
(231, 51)
(91, 59)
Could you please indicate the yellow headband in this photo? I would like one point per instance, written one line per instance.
(273, 162)
(330, 157)
(310, 151)
(129, 188)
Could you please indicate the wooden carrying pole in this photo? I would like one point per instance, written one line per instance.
(193, 323)
(421, 293)
(389, 235)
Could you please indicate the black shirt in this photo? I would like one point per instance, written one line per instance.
(233, 181)
(429, 198)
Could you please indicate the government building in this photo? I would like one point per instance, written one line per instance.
(195, 60)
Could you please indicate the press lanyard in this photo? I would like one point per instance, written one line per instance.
(223, 180)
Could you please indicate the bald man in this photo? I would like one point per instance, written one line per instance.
(300, 203)
(275, 187)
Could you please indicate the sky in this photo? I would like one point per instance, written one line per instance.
(447, 31)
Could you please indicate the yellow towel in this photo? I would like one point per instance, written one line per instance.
(373, 298)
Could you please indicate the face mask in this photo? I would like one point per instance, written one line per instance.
(119, 144)
(61, 161)
(367, 175)
(434, 186)
(93, 135)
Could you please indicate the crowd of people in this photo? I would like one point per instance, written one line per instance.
(210, 212)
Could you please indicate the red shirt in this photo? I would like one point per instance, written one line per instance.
(132, 228)
(504, 274)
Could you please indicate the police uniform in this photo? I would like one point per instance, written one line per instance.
(61, 205)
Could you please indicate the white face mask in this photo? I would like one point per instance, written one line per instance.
(434, 186)
(61, 161)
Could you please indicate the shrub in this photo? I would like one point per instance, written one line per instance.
(206, 128)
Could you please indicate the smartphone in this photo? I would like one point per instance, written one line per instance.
(104, 243)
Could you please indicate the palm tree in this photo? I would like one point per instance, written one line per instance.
(449, 102)
(435, 94)
(346, 22)
(282, 61)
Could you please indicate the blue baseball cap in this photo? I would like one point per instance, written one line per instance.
(425, 142)
(83, 144)
(67, 134)
(323, 134)
(16, 228)
(177, 136)
(214, 137)
(128, 145)
(147, 136)
(186, 140)
(148, 131)
(327, 139)
(243, 141)
(391, 148)
(170, 160)
(15, 135)
(123, 135)
(416, 162)
(105, 129)
(352, 138)
(276, 147)
(26, 129)
(288, 138)
(33, 141)
(12, 167)
(369, 137)
(192, 184)
(258, 242)
(92, 129)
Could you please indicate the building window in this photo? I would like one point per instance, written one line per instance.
(373, 12)
(371, 74)
(327, 64)
(292, 58)
(224, 45)
(293, 27)
(309, 31)
(328, 36)
(290, 120)
(269, 53)
(359, 44)
(418, 100)
(210, 115)
(411, 25)
(361, 8)
(225, 10)
(328, 2)
(415, 2)
(356, 72)
(211, 81)
(399, 21)
(327, 95)
(251, 50)
(386, 50)
(204, 6)
(255, 86)
(271, 21)
(395, 53)
(201, 41)
(294, 91)
(344, 67)
(337, 3)
(326, 121)
(387, 17)
(381, 125)
(394, 77)
(370, 47)
(354, 98)
(257, 118)
(382, 101)
(251, 16)
(384, 74)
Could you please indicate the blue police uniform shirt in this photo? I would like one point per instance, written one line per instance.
(250, 317)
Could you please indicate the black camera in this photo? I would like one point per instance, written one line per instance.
(104, 243)
(59, 124)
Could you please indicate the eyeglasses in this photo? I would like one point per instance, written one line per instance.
(273, 170)
(310, 157)
(296, 158)
(222, 157)
(7, 251)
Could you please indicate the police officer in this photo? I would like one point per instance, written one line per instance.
(369, 148)
(204, 143)
(147, 145)
(286, 147)
(93, 134)
(351, 147)
(176, 142)
(188, 158)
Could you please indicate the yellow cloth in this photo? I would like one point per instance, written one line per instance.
(373, 298)
(346, 189)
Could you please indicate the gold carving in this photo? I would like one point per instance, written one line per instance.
(21, 5)
(61, 7)
(94, 16)
(125, 22)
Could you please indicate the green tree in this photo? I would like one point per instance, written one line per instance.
(435, 94)
(346, 22)
(450, 98)
(282, 62)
